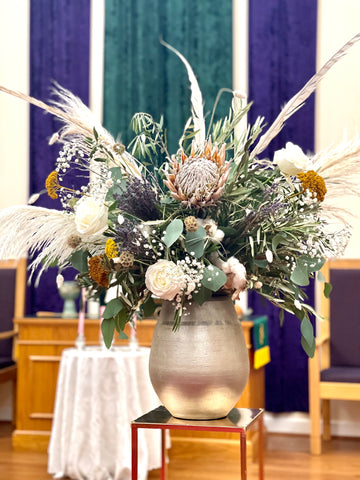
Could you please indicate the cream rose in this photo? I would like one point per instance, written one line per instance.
(164, 279)
(291, 159)
(91, 216)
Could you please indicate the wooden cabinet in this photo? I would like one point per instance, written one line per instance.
(40, 343)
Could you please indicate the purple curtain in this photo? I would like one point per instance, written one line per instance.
(282, 53)
(59, 51)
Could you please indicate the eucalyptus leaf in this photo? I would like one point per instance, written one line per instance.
(121, 319)
(308, 348)
(107, 330)
(327, 289)
(213, 278)
(173, 232)
(300, 275)
(113, 308)
(279, 238)
(261, 263)
(307, 330)
(79, 260)
(320, 277)
(202, 295)
(194, 242)
(149, 307)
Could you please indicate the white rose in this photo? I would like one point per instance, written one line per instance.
(91, 216)
(291, 159)
(164, 279)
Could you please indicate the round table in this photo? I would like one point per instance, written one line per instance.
(99, 392)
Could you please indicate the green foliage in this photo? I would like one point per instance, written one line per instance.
(107, 330)
(195, 242)
(173, 232)
(213, 278)
(79, 260)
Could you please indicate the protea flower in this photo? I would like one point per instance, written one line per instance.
(199, 180)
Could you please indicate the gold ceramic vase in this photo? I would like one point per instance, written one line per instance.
(199, 371)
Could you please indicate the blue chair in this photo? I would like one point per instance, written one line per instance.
(334, 372)
(12, 305)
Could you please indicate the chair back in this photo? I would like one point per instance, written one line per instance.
(12, 301)
(344, 314)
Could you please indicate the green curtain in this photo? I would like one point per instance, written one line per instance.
(142, 75)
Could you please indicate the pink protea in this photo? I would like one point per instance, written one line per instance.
(199, 180)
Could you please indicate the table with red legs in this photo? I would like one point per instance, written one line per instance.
(239, 420)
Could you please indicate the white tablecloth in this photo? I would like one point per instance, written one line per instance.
(99, 393)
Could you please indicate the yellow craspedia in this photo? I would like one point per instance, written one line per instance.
(52, 184)
(314, 183)
(111, 250)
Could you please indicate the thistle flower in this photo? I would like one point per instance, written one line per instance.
(139, 199)
(314, 183)
(130, 238)
(199, 180)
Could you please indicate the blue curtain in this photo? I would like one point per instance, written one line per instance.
(282, 54)
(142, 75)
(59, 50)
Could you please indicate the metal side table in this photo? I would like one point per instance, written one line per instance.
(239, 420)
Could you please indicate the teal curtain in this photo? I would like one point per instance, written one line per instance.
(142, 75)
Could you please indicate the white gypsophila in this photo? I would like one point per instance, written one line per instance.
(164, 279)
(291, 159)
(91, 216)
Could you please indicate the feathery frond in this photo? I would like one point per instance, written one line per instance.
(196, 99)
(79, 122)
(296, 102)
(27, 229)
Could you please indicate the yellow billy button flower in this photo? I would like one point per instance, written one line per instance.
(52, 185)
(111, 250)
(313, 182)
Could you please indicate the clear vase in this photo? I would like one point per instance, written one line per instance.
(199, 371)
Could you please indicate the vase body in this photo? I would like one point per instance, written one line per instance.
(199, 371)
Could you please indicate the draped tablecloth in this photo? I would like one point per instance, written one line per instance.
(99, 392)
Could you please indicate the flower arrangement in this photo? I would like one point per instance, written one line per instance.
(214, 218)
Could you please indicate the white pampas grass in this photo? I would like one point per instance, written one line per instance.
(196, 99)
(27, 229)
(339, 166)
(79, 122)
(298, 100)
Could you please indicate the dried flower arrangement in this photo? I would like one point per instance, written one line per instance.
(214, 218)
